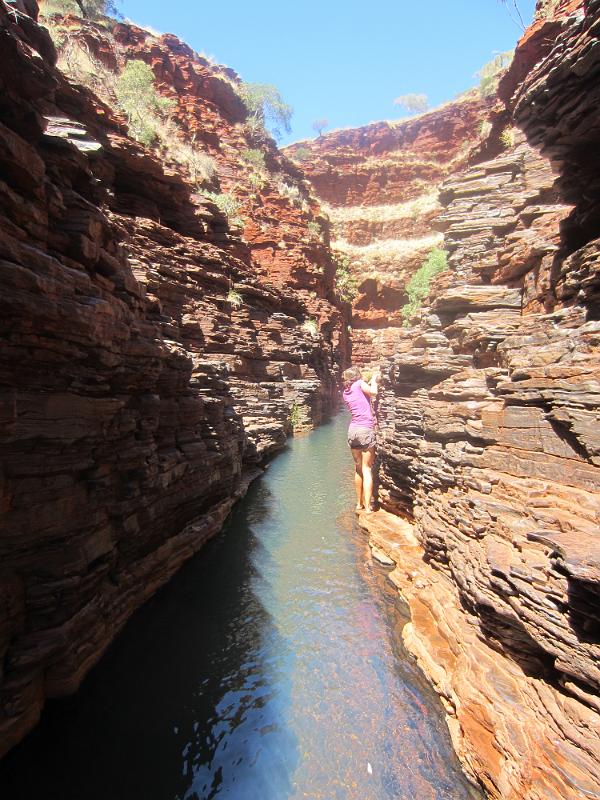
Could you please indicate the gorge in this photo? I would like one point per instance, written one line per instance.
(159, 345)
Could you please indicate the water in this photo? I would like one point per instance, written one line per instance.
(269, 668)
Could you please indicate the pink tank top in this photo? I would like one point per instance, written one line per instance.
(359, 406)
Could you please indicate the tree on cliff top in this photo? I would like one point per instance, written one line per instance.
(319, 126)
(413, 103)
(266, 107)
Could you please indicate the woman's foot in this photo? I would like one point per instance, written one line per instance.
(359, 508)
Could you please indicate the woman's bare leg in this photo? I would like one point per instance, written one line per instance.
(368, 457)
(358, 476)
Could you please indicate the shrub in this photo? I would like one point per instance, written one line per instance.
(294, 417)
(201, 167)
(301, 154)
(489, 74)
(256, 181)
(507, 138)
(413, 103)
(137, 97)
(266, 107)
(289, 190)
(346, 285)
(418, 286)
(90, 9)
(235, 298)
(255, 129)
(311, 327)
(53, 8)
(255, 158)
(314, 230)
(226, 203)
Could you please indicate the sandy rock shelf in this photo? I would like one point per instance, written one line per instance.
(517, 736)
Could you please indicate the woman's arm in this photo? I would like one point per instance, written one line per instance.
(370, 389)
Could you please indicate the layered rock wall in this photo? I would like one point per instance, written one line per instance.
(136, 398)
(489, 426)
(379, 185)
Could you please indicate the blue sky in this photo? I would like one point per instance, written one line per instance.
(345, 60)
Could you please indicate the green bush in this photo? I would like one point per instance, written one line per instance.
(346, 285)
(137, 97)
(294, 417)
(255, 158)
(90, 9)
(301, 154)
(235, 298)
(227, 203)
(507, 138)
(256, 181)
(418, 286)
(314, 230)
(266, 107)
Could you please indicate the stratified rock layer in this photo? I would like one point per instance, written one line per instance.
(489, 427)
(380, 187)
(136, 398)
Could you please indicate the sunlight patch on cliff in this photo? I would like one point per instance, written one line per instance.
(384, 213)
(390, 248)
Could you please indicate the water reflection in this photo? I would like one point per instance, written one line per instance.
(266, 669)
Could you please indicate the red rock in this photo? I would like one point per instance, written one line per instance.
(136, 399)
(381, 183)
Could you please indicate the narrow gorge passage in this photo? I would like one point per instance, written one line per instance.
(268, 668)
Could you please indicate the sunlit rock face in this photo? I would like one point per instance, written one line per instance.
(489, 433)
(379, 185)
(137, 398)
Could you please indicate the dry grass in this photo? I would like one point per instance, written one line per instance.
(389, 256)
(384, 213)
(77, 62)
(387, 247)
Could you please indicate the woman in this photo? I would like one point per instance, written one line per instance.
(361, 433)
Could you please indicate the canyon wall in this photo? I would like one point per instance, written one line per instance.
(379, 185)
(137, 393)
(489, 444)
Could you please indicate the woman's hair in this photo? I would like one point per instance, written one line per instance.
(349, 376)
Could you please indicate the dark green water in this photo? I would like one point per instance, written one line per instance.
(269, 668)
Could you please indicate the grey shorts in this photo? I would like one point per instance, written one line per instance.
(360, 438)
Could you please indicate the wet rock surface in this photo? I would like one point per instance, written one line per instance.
(136, 399)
